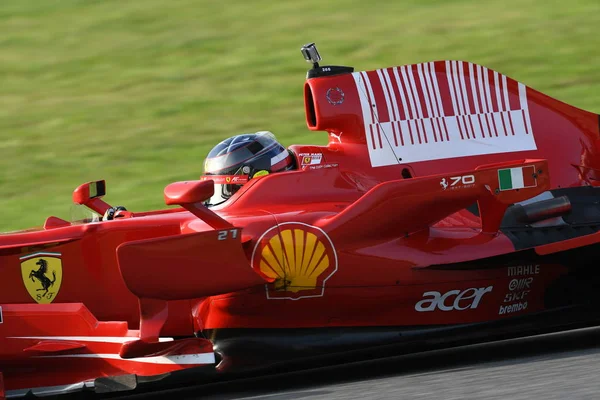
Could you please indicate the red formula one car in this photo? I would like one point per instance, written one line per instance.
(452, 203)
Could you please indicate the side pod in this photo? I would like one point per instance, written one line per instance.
(180, 267)
(186, 266)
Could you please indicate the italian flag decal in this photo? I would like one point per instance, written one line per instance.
(517, 178)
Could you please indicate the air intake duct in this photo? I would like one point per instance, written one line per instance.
(540, 210)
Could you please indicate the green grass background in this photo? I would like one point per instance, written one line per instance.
(136, 92)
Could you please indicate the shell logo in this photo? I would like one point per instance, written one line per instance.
(299, 257)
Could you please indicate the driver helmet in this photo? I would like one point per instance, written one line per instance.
(236, 160)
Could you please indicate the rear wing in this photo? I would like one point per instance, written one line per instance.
(401, 207)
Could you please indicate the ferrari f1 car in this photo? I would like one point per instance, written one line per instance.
(451, 203)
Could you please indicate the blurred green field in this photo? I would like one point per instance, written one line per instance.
(136, 92)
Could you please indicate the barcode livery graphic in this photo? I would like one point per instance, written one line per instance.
(442, 110)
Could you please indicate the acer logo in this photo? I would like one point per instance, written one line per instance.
(452, 300)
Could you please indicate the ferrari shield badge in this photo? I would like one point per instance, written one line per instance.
(42, 276)
(299, 257)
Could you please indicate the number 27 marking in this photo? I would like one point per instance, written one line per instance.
(226, 234)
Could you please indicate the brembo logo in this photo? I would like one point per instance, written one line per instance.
(452, 300)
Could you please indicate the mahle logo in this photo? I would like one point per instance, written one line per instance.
(452, 300)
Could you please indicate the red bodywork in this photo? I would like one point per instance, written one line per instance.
(354, 237)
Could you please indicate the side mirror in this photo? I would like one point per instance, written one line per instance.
(89, 194)
(189, 192)
(190, 195)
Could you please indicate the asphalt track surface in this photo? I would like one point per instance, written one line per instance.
(552, 366)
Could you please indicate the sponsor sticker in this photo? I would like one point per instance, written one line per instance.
(519, 289)
(311, 158)
(226, 179)
(322, 166)
(458, 182)
(523, 270)
(336, 137)
(512, 308)
(300, 258)
(520, 284)
(453, 300)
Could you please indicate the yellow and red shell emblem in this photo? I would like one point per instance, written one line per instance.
(299, 257)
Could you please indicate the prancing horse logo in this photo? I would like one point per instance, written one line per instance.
(42, 276)
(444, 184)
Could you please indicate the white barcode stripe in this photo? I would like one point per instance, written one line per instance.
(524, 106)
(497, 86)
(412, 130)
(484, 78)
(364, 100)
(509, 127)
(367, 109)
(390, 87)
(486, 86)
(456, 91)
(376, 133)
(429, 81)
(396, 116)
(411, 101)
(438, 96)
(459, 97)
(386, 95)
(401, 91)
(427, 99)
(482, 129)
(523, 96)
(437, 113)
(451, 87)
(421, 125)
(464, 88)
(505, 92)
(424, 89)
(484, 120)
(473, 89)
(371, 96)
(481, 90)
(415, 92)
(465, 98)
